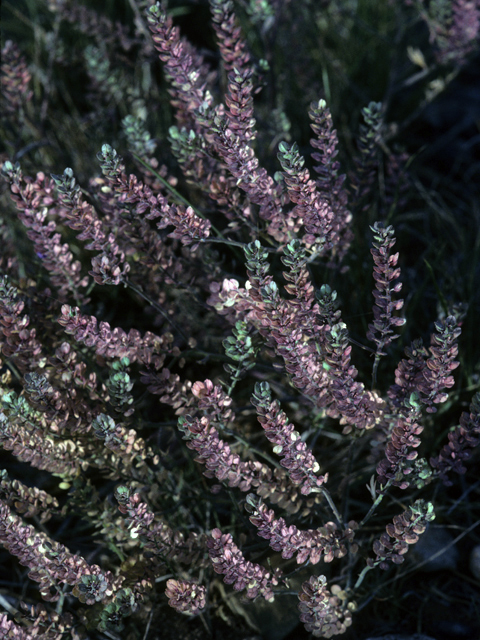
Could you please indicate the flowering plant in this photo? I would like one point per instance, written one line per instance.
(181, 374)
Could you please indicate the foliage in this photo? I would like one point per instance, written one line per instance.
(183, 296)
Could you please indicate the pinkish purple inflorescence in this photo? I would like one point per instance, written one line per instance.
(299, 461)
(461, 440)
(228, 560)
(186, 597)
(404, 531)
(325, 613)
(385, 272)
(326, 542)
(50, 563)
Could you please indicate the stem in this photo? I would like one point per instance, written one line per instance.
(234, 243)
(157, 307)
(375, 369)
(380, 497)
(331, 504)
(251, 447)
(362, 575)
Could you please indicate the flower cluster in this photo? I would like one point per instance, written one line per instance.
(217, 456)
(314, 211)
(329, 182)
(51, 564)
(325, 613)
(15, 78)
(439, 366)
(43, 625)
(186, 597)
(231, 43)
(19, 341)
(113, 343)
(126, 444)
(368, 157)
(380, 330)
(157, 537)
(110, 266)
(400, 449)
(357, 406)
(405, 530)
(326, 542)
(202, 435)
(454, 27)
(189, 227)
(184, 67)
(419, 381)
(228, 560)
(253, 179)
(461, 440)
(301, 465)
(29, 501)
(119, 386)
(27, 440)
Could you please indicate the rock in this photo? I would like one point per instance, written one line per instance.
(436, 540)
(475, 561)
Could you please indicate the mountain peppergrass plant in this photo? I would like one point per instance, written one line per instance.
(209, 426)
